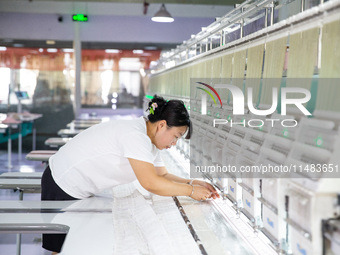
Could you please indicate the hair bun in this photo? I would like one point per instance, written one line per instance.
(156, 105)
(173, 111)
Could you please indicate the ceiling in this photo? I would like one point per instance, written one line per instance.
(126, 16)
(196, 2)
(178, 8)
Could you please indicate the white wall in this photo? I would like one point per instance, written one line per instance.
(108, 22)
(98, 28)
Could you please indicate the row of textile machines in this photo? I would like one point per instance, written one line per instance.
(294, 199)
(297, 210)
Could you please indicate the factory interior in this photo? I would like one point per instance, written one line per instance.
(260, 80)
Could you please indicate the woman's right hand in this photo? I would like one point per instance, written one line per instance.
(200, 193)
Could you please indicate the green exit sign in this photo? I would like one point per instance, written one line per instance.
(79, 17)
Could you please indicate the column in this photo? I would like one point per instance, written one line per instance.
(77, 66)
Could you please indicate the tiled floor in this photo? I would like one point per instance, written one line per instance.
(30, 243)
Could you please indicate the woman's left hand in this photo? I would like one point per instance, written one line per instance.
(214, 193)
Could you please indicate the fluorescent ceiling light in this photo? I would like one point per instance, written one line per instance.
(162, 15)
(68, 50)
(150, 48)
(50, 42)
(52, 50)
(138, 51)
(112, 51)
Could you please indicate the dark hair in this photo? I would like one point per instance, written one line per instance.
(173, 111)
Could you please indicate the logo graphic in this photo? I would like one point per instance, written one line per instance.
(238, 103)
(248, 203)
(204, 97)
(301, 250)
(271, 223)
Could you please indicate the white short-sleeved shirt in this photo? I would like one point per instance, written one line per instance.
(97, 158)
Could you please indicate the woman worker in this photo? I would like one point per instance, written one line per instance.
(118, 152)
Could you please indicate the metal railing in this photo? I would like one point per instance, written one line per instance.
(229, 28)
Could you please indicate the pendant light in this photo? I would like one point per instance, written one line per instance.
(162, 15)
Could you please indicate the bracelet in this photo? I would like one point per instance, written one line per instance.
(192, 192)
(191, 182)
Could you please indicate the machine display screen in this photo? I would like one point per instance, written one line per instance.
(21, 95)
